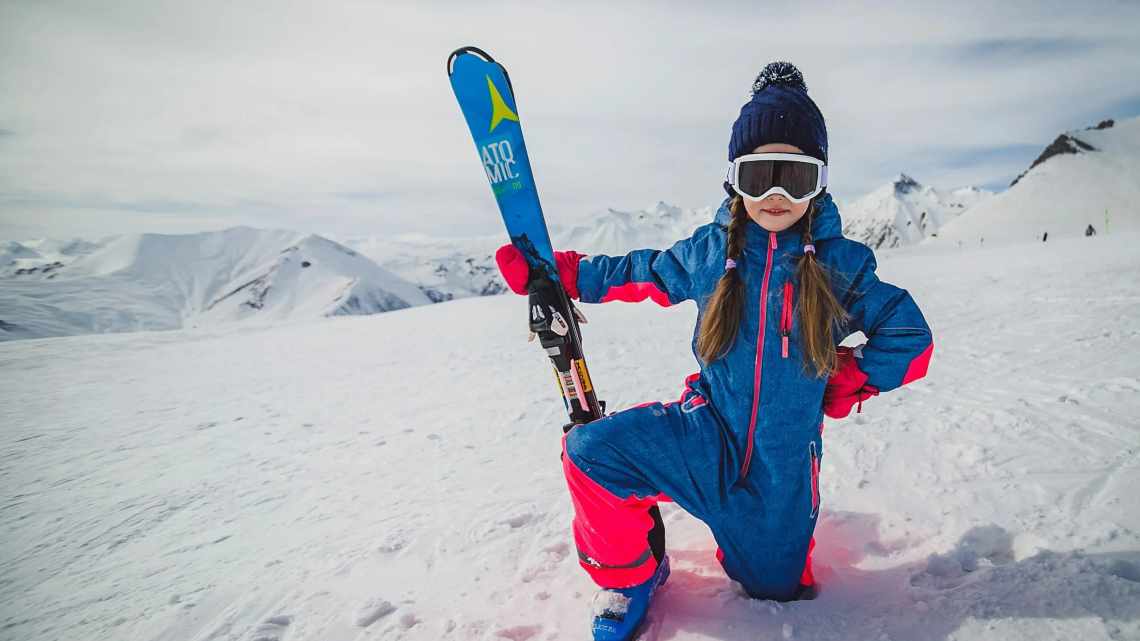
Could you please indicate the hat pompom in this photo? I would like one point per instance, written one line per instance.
(782, 73)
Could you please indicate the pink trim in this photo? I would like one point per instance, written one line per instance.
(814, 479)
(919, 365)
(579, 393)
(759, 354)
(607, 528)
(637, 292)
(786, 320)
(807, 577)
(689, 380)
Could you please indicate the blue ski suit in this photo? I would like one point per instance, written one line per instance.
(741, 449)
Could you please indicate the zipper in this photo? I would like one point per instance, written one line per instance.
(786, 320)
(814, 479)
(759, 354)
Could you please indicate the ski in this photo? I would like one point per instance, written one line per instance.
(487, 99)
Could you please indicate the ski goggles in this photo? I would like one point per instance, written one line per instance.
(794, 176)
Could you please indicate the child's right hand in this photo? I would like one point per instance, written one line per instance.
(514, 268)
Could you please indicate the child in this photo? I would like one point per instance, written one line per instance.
(778, 287)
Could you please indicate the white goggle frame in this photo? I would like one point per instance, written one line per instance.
(733, 176)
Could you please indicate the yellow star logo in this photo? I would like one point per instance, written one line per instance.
(499, 109)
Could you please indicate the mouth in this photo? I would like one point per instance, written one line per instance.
(775, 212)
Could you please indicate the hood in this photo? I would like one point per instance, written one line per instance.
(827, 223)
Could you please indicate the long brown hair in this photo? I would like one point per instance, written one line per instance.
(820, 313)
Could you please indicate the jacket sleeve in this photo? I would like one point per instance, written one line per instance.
(899, 342)
(664, 276)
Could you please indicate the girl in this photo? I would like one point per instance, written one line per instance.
(777, 287)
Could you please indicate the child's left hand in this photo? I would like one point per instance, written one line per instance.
(846, 387)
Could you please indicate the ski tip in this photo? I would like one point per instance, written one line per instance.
(462, 50)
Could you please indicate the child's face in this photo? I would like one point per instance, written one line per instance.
(776, 213)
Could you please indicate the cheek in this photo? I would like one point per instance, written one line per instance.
(799, 210)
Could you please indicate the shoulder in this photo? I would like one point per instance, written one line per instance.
(846, 255)
(702, 242)
(710, 232)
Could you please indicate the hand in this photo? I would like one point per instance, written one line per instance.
(516, 271)
(846, 387)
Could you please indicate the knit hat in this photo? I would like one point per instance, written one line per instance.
(779, 111)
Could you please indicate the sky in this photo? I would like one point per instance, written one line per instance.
(337, 117)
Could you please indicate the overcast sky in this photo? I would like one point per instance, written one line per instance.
(337, 117)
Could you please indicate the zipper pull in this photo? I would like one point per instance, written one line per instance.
(786, 320)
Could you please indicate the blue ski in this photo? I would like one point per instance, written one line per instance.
(487, 100)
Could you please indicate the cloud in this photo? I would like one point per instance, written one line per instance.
(340, 117)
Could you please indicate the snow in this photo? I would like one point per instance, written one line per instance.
(616, 232)
(609, 601)
(159, 281)
(41, 256)
(156, 281)
(396, 476)
(1065, 194)
(904, 212)
(444, 268)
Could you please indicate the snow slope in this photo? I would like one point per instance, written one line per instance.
(905, 212)
(396, 476)
(158, 281)
(1066, 192)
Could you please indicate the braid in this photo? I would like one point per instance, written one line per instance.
(722, 316)
(819, 310)
(734, 244)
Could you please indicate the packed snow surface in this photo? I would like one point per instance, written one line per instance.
(396, 476)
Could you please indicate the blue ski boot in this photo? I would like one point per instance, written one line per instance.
(618, 612)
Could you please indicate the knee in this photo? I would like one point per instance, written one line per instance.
(583, 444)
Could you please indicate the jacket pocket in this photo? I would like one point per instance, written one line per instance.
(786, 318)
(813, 453)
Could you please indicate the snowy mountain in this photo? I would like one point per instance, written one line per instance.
(444, 268)
(905, 212)
(157, 281)
(150, 281)
(448, 268)
(353, 479)
(616, 232)
(40, 258)
(1084, 177)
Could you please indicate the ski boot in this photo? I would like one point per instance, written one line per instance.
(619, 612)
